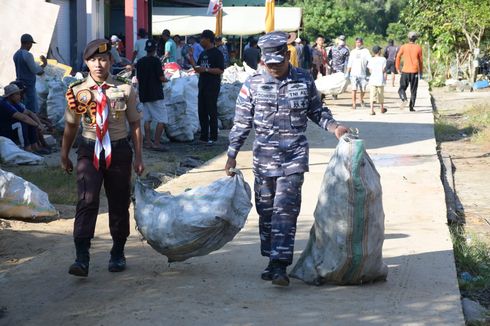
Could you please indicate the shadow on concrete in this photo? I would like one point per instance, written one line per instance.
(217, 289)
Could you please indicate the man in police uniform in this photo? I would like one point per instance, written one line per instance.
(277, 102)
(103, 103)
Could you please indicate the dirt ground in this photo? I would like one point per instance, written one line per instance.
(21, 241)
(470, 159)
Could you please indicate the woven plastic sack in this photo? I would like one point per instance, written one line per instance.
(12, 154)
(22, 199)
(346, 240)
(195, 222)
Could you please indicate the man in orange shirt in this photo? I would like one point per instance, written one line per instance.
(411, 54)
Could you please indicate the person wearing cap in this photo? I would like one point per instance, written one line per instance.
(105, 105)
(139, 46)
(339, 55)
(170, 52)
(293, 57)
(276, 102)
(114, 50)
(150, 78)
(299, 50)
(210, 67)
(356, 70)
(26, 70)
(411, 55)
(390, 54)
(377, 79)
(18, 124)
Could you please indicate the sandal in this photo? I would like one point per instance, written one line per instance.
(384, 111)
(372, 113)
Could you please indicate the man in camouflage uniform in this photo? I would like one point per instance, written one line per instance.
(339, 55)
(277, 101)
(103, 103)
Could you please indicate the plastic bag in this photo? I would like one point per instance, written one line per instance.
(10, 153)
(346, 240)
(195, 222)
(22, 199)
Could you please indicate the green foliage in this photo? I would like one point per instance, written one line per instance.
(397, 31)
(348, 17)
(453, 28)
(473, 256)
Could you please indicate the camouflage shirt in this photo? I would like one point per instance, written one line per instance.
(339, 56)
(278, 110)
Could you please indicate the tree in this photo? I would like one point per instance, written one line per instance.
(455, 28)
(348, 17)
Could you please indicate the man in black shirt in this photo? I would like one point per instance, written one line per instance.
(252, 55)
(210, 66)
(150, 78)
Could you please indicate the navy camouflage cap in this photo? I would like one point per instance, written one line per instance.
(273, 46)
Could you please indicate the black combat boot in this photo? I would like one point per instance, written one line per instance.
(279, 274)
(267, 273)
(80, 266)
(117, 263)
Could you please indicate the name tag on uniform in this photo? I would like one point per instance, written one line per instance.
(266, 92)
(297, 90)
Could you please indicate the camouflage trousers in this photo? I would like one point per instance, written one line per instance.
(278, 202)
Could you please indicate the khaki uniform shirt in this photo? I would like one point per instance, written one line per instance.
(82, 105)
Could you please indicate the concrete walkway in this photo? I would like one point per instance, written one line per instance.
(224, 288)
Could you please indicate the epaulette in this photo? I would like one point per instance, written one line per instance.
(123, 80)
(76, 82)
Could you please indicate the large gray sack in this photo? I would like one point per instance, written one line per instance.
(346, 240)
(195, 222)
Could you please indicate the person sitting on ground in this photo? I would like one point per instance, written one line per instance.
(17, 123)
(150, 78)
(377, 80)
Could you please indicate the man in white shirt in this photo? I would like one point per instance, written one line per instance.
(377, 80)
(356, 69)
(139, 45)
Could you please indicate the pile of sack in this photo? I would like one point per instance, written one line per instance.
(51, 88)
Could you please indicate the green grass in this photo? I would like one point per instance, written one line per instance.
(473, 256)
(474, 122)
(61, 187)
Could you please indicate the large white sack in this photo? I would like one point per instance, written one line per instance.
(10, 153)
(227, 103)
(22, 199)
(346, 240)
(56, 102)
(195, 222)
(181, 100)
(333, 84)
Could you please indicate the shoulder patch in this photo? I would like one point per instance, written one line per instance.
(123, 80)
(77, 82)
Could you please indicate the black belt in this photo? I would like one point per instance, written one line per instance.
(115, 143)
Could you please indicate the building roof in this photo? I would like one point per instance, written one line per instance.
(236, 20)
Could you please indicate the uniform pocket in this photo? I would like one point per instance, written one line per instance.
(298, 117)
